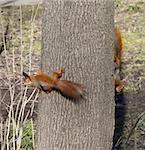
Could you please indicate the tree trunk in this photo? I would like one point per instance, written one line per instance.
(78, 35)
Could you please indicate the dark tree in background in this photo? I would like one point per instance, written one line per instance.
(78, 35)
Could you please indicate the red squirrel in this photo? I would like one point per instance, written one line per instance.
(47, 84)
(119, 84)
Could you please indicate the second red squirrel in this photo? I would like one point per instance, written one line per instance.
(47, 84)
(119, 84)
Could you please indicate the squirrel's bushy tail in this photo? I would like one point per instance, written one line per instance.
(69, 89)
(118, 47)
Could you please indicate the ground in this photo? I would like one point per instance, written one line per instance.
(129, 17)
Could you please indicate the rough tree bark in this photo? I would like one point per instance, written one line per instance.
(78, 35)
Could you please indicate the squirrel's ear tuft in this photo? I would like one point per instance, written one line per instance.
(25, 75)
(62, 70)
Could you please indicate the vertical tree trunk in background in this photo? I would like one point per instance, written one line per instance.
(78, 35)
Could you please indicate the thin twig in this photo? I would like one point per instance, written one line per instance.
(132, 129)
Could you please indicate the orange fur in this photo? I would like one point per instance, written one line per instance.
(47, 83)
(119, 84)
(118, 47)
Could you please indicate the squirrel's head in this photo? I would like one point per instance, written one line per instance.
(27, 79)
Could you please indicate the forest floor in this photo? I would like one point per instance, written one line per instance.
(130, 18)
(25, 42)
